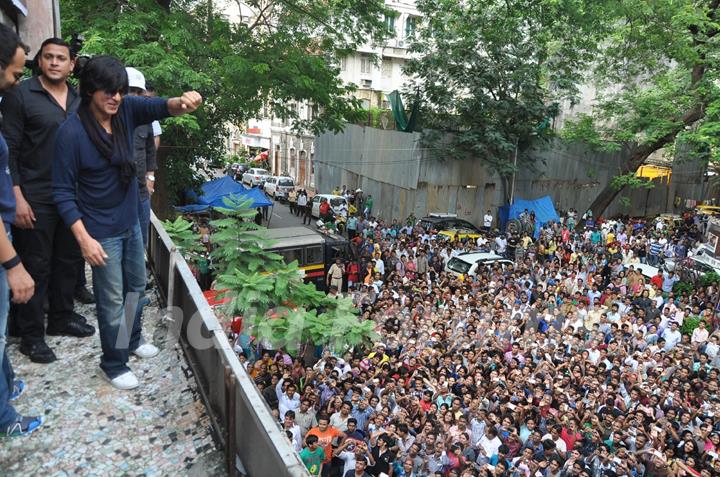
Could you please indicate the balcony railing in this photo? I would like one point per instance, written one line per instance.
(252, 439)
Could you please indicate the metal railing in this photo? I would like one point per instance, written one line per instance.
(252, 439)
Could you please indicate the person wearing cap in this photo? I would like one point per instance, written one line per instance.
(32, 113)
(145, 153)
(95, 189)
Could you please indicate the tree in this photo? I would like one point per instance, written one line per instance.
(289, 52)
(493, 72)
(657, 70)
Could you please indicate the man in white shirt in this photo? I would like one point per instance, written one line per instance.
(501, 244)
(672, 336)
(554, 436)
(288, 400)
(487, 220)
(289, 425)
(489, 443)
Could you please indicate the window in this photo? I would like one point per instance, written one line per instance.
(387, 68)
(291, 255)
(343, 63)
(314, 255)
(365, 64)
(410, 26)
(390, 23)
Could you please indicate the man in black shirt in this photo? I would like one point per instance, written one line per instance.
(32, 113)
(512, 246)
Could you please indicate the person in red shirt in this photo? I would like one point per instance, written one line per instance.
(353, 273)
(657, 279)
(324, 209)
(570, 435)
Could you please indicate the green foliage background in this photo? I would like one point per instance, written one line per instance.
(289, 53)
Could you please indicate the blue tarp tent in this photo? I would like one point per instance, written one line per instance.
(543, 208)
(214, 193)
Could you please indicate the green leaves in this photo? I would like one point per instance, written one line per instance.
(493, 72)
(185, 239)
(279, 308)
(288, 54)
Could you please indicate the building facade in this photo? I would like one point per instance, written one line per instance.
(376, 70)
(34, 20)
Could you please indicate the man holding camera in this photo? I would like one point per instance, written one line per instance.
(96, 190)
(32, 113)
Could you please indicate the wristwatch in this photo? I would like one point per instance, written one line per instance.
(150, 177)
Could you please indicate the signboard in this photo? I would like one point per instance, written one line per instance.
(256, 141)
(713, 238)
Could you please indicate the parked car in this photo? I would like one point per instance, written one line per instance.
(278, 187)
(236, 170)
(335, 202)
(450, 226)
(255, 176)
(468, 263)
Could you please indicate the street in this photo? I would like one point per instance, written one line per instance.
(281, 217)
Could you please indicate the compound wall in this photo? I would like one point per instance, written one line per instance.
(405, 175)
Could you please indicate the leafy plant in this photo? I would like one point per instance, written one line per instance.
(709, 278)
(278, 307)
(681, 288)
(689, 324)
(240, 243)
(185, 239)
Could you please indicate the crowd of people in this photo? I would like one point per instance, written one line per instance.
(76, 173)
(571, 362)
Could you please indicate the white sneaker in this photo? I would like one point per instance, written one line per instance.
(146, 350)
(125, 381)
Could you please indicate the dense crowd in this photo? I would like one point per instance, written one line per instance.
(570, 362)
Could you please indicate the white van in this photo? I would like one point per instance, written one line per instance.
(335, 202)
(469, 262)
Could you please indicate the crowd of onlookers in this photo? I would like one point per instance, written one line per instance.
(571, 362)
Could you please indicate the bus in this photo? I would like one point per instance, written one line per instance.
(315, 252)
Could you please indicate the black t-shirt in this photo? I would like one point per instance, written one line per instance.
(382, 462)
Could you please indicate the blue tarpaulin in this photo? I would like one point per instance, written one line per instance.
(543, 208)
(214, 193)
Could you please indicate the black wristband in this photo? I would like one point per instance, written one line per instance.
(12, 263)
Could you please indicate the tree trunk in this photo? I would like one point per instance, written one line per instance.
(160, 200)
(637, 156)
(640, 153)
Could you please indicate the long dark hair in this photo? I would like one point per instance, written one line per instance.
(107, 74)
(103, 73)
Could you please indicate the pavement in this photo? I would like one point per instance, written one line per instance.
(281, 217)
(92, 429)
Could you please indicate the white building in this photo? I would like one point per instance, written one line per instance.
(376, 70)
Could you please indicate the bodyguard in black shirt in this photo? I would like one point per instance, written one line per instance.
(32, 113)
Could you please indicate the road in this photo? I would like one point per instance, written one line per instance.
(281, 216)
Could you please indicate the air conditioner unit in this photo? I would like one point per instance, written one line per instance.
(367, 83)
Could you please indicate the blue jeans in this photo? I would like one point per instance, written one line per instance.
(145, 219)
(119, 287)
(7, 376)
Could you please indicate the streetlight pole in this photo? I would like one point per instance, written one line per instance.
(512, 186)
